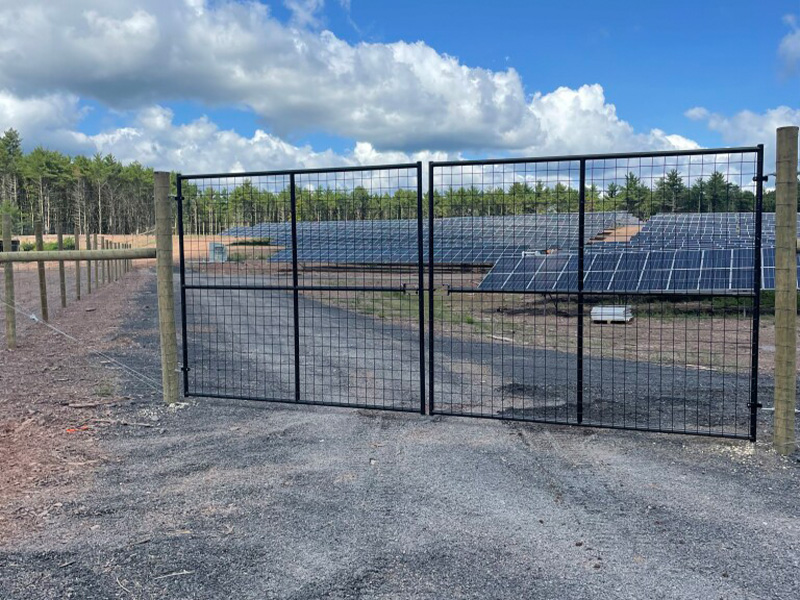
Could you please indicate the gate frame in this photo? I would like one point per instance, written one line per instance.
(582, 159)
(296, 288)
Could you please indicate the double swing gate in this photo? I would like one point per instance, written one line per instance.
(616, 290)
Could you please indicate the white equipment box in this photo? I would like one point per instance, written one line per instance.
(217, 253)
(612, 314)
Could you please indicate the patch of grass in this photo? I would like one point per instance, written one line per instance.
(69, 244)
(237, 257)
(104, 390)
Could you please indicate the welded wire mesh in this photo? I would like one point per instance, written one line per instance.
(349, 287)
(303, 286)
(670, 240)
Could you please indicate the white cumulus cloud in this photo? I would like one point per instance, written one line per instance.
(397, 97)
(789, 48)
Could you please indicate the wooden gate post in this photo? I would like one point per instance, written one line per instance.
(166, 293)
(11, 316)
(37, 232)
(62, 276)
(785, 290)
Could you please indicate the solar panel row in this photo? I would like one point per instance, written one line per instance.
(634, 271)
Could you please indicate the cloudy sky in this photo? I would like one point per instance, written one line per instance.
(218, 85)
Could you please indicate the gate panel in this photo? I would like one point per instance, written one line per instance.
(304, 286)
(499, 351)
(684, 364)
(359, 255)
(668, 245)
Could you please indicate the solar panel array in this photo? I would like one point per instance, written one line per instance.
(708, 270)
(457, 240)
(709, 230)
(538, 253)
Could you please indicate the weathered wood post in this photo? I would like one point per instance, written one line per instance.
(785, 290)
(77, 237)
(88, 263)
(106, 263)
(96, 263)
(166, 293)
(62, 276)
(11, 316)
(37, 232)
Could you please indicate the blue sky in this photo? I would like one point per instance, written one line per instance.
(304, 82)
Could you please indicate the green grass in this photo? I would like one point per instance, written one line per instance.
(69, 244)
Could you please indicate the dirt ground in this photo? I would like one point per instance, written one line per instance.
(56, 392)
(218, 499)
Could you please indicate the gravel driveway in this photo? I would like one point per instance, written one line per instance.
(233, 499)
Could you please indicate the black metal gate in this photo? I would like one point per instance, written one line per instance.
(617, 290)
(304, 286)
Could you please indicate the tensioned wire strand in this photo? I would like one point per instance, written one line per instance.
(130, 370)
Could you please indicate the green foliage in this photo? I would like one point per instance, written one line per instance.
(265, 241)
(69, 244)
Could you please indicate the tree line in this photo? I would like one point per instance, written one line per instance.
(97, 194)
(100, 194)
(212, 209)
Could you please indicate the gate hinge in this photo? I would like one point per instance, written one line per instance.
(185, 369)
(764, 178)
(178, 199)
(757, 405)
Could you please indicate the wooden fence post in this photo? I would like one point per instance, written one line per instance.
(77, 237)
(106, 264)
(88, 263)
(96, 264)
(11, 316)
(62, 277)
(785, 290)
(37, 232)
(166, 293)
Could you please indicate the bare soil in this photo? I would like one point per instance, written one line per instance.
(55, 393)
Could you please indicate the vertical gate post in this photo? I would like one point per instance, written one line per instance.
(430, 290)
(37, 232)
(11, 317)
(754, 404)
(166, 294)
(182, 275)
(295, 288)
(581, 252)
(421, 285)
(62, 277)
(785, 290)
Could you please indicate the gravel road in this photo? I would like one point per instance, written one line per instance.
(233, 499)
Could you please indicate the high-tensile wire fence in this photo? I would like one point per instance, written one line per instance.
(609, 290)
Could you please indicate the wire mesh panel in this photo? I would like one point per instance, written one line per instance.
(359, 252)
(497, 350)
(626, 295)
(689, 275)
(290, 290)
(237, 303)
